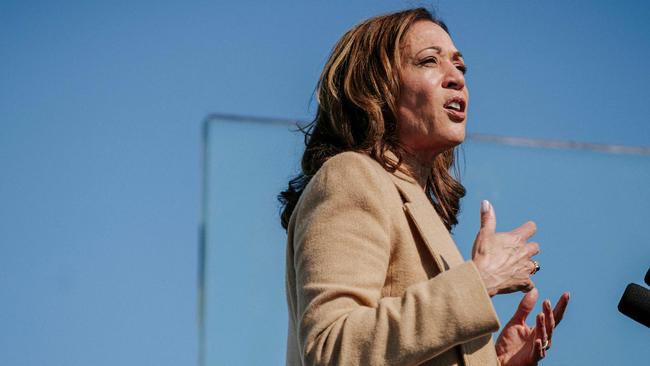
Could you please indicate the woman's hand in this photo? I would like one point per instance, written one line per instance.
(521, 345)
(504, 259)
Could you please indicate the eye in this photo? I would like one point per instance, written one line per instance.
(462, 68)
(429, 60)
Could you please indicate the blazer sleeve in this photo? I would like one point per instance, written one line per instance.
(342, 243)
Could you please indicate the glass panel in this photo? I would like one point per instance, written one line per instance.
(591, 209)
(245, 316)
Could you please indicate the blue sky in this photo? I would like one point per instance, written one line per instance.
(100, 112)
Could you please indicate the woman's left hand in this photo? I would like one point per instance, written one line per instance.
(521, 345)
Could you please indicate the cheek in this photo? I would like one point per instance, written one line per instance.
(408, 96)
(418, 98)
(427, 96)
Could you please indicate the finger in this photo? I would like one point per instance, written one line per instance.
(541, 330)
(540, 327)
(538, 350)
(525, 307)
(528, 286)
(530, 266)
(488, 217)
(526, 230)
(560, 307)
(532, 249)
(550, 319)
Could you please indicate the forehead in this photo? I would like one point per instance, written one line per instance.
(424, 34)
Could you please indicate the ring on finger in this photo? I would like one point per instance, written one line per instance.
(536, 265)
(546, 346)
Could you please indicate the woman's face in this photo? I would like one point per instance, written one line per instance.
(432, 105)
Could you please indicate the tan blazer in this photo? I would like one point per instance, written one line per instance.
(374, 278)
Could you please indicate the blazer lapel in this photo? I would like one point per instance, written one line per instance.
(431, 229)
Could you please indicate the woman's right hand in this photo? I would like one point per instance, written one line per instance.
(504, 259)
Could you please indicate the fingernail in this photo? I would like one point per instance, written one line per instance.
(485, 206)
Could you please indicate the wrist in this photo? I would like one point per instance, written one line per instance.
(486, 279)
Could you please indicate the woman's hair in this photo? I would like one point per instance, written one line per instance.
(357, 102)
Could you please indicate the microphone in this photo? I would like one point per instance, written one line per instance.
(635, 302)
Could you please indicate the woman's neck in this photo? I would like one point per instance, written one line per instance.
(416, 168)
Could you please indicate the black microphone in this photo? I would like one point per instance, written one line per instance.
(635, 303)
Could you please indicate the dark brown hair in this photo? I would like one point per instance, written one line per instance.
(357, 103)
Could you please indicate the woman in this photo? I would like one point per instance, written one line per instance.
(373, 276)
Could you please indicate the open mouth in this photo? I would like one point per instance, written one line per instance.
(456, 104)
(455, 107)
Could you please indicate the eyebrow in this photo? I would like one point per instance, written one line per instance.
(455, 55)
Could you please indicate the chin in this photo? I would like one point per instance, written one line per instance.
(447, 145)
(460, 134)
(460, 139)
(457, 139)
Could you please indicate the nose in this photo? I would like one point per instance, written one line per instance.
(454, 79)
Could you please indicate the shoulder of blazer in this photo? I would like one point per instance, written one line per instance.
(351, 167)
(354, 173)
